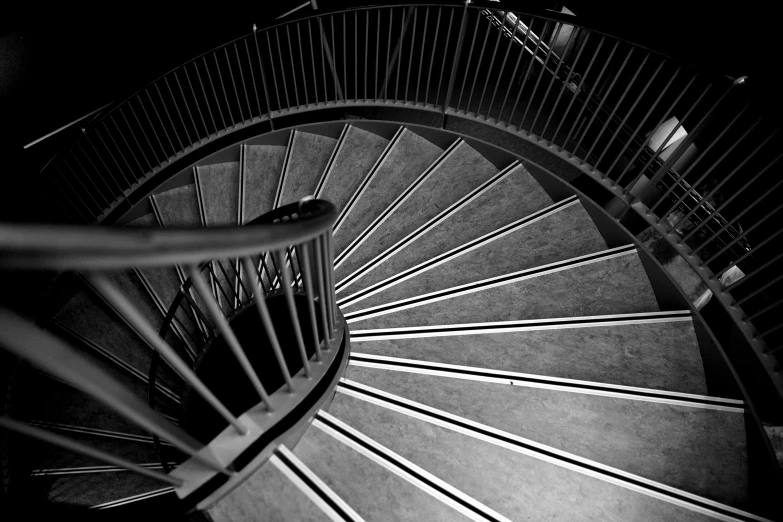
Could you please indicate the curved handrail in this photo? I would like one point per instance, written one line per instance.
(79, 248)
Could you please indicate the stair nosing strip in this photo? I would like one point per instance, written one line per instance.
(546, 382)
(398, 201)
(332, 157)
(426, 227)
(94, 432)
(542, 452)
(458, 251)
(84, 470)
(367, 179)
(135, 372)
(405, 469)
(134, 498)
(520, 325)
(485, 284)
(286, 162)
(316, 488)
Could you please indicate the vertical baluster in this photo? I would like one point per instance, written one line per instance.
(502, 66)
(179, 113)
(312, 62)
(145, 134)
(556, 75)
(366, 49)
(289, 297)
(307, 280)
(571, 74)
(223, 88)
(615, 108)
(501, 32)
(345, 60)
(421, 56)
(140, 324)
(152, 125)
(443, 62)
(253, 75)
(103, 162)
(736, 239)
(356, 56)
(301, 63)
(206, 98)
(322, 39)
(187, 108)
(756, 271)
(377, 52)
(150, 165)
(128, 180)
(527, 72)
(293, 65)
(266, 321)
(263, 74)
(322, 268)
(339, 90)
(736, 193)
(645, 118)
(478, 68)
(400, 46)
(470, 58)
(100, 206)
(171, 121)
(195, 101)
(715, 163)
(516, 65)
(110, 199)
(754, 250)
(330, 277)
(78, 193)
(200, 284)
(98, 171)
(242, 79)
(111, 118)
(388, 57)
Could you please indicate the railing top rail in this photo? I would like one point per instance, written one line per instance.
(82, 248)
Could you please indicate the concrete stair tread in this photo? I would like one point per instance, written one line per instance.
(97, 488)
(564, 234)
(356, 155)
(407, 158)
(88, 318)
(461, 171)
(178, 207)
(513, 196)
(515, 484)
(261, 169)
(219, 189)
(612, 284)
(267, 495)
(696, 449)
(372, 490)
(306, 163)
(662, 355)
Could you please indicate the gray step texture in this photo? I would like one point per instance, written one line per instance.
(614, 285)
(408, 158)
(661, 356)
(516, 485)
(373, 491)
(93, 489)
(306, 163)
(261, 166)
(565, 234)
(513, 196)
(460, 172)
(267, 495)
(695, 449)
(88, 318)
(357, 153)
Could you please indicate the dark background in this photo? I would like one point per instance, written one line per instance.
(58, 63)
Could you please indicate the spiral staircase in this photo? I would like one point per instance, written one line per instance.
(486, 341)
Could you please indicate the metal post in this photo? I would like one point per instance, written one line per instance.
(457, 56)
(289, 297)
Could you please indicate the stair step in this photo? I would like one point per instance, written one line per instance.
(695, 448)
(510, 196)
(610, 282)
(219, 189)
(87, 317)
(267, 495)
(518, 481)
(306, 163)
(97, 488)
(633, 352)
(408, 157)
(460, 171)
(530, 245)
(357, 153)
(178, 207)
(372, 490)
(262, 166)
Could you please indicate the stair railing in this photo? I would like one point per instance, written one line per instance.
(712, 196)
(294, 239)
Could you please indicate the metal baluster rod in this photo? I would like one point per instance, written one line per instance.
(52, 355)
(83, 449)
(266, 319)
(307, 278)
(120, 303)
(289, 297)
(200, 284)
(326, 317)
